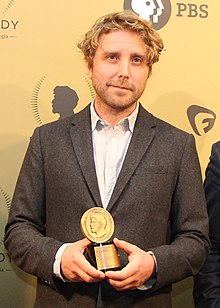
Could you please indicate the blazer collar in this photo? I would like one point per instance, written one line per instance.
(81, 135)
(82, 142)
(142, 137)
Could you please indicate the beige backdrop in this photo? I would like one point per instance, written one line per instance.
(38, 52)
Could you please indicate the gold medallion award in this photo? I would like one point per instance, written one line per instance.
(97, 225)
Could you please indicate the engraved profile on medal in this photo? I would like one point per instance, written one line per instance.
(97, 225)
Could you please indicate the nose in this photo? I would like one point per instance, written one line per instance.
(124, 69)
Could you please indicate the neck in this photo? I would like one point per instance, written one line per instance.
(113, 115)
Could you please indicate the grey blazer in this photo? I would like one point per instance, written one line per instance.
(158, 204)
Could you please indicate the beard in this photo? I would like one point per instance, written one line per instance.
(118, 95)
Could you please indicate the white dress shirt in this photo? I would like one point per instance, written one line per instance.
(110, 144)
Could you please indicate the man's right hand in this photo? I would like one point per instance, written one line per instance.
(75, 267)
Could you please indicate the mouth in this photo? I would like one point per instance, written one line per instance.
(120, 87)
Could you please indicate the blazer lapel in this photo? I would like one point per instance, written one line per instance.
(142, 137)
(81, 135)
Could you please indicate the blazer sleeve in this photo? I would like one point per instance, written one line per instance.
(188, 247)
(207, 282)
(26, 224)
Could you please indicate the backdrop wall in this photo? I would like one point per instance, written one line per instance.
(41, 66)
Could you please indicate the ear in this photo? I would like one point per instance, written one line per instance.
(89, 68)
(150, 71)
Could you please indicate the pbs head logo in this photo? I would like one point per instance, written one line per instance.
(158, 12)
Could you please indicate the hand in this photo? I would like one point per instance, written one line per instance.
(139, 269)
(74, 265)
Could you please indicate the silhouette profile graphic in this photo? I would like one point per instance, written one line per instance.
(65, 101)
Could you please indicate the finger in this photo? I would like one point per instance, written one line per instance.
(85, 272)
(128, 271)
(126, 279)
(127, 247)
(90, 276)
(129, 283)
(91, 271)
(84, 243)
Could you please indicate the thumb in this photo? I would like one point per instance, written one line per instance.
(84, 243)
(127, 247)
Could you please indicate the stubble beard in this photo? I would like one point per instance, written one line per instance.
(117, 103)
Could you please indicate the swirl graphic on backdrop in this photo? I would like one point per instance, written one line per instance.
(7, 203)
(90, 86)
(34, 100)
(64, 102)
(9, 5)
(9, 25)
(5, 260)
(208, 118)
(156, 11)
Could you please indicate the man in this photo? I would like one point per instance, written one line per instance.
(207, 282)
(116, 155)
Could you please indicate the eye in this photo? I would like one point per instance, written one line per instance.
(137, 60)
(112, 57)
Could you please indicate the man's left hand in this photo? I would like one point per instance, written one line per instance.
(139, 269)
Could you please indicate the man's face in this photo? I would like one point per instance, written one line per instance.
(119, 72)
(94, 225)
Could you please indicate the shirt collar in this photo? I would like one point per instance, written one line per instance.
(131, 118)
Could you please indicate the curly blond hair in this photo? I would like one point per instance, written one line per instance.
(125, 20)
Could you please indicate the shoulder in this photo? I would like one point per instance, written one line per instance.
(214, 160)
(163, 128)
(170, 128)
(216, 147)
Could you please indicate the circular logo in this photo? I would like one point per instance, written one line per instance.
(97, 225)
(48, 97)
(158, 12)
